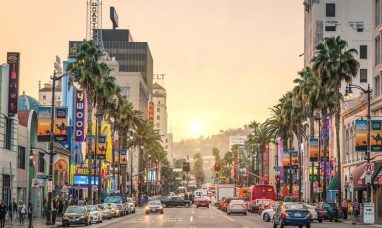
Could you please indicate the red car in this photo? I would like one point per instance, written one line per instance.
(202, 203)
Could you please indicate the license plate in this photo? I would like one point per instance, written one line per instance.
(298, 214)
(154, 209)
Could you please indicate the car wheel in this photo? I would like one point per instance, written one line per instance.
(147, 212)
(320, 221)
(228, 213)
(245, 213)
(300, 226)
(308, 226)
(161, 211)
(197, 206)
(208, 206)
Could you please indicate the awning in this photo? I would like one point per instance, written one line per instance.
(377, 175)
(359, 175)
(334, 183)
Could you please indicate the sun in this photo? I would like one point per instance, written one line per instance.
(196, 127)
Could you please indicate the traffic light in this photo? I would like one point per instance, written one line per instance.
(186, 167)
(217, 167)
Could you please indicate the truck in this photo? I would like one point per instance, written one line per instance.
(224, 191)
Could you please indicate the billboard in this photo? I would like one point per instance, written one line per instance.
(61, 124)
(313, 149)
(79, 116)
(101, 147)
(83, 180)
(13, 60)
(360, 135)
(43, 128)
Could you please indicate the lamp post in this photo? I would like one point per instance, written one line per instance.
(317, 117)
(368, 91)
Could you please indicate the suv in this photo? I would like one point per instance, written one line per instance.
(120, 201)
(332, 211)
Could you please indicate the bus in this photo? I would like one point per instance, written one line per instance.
(260, 194)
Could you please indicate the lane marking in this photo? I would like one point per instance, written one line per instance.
(191, 218)
(229, 218)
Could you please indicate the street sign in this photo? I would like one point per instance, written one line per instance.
(368, 179)
(368, 213)
(369, 168)
(42, 177)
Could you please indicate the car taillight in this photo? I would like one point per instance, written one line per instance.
(284, 214)
(245, 205)
(309, 215)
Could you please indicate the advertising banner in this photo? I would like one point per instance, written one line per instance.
(286, 159)
(313, 149)
(79, 116)
(376, 136)
(123, 158)
(360, 135)
(61, 124)
(44, 118)
(83, 180)
(101, 147)
(13, 59)
(295, 159)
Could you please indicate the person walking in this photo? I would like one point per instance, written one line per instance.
(3, 213)
(30, 214)
(12, 209)
(22, 211)
(344, 206)
(356, 211)
(60, 207)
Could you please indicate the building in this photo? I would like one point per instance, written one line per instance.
(237, 140)
(352, 21)
(45, 94)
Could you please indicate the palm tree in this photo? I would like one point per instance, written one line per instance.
(335, 64)
(88, 70)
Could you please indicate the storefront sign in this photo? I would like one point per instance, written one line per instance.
(44, 118)
(13, 59)
(79, 118)
(83, 180)
(101, 147)
(61, 124)
(294, 159)
(84, 171)
(360, 135)
(61, 165)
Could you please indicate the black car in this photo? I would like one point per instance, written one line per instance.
(292, 214)
(76, 215)
(175, 201)
(331, 211)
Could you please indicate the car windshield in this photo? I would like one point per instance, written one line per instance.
(91, 208)
(105, 206)
(113, 199)
(75, 210)
(154, 203)
(293, 206)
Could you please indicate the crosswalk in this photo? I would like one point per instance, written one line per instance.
(154, 220)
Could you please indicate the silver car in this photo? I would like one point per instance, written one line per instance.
(131, 204)
(95, 213)
(105, 210)
(237, 207)
(153, 207)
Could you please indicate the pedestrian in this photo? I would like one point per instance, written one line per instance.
(12, 209)
(344, 207)
(22, 211)
(30, 213)
(356, 210)
(54, 211)
(3, 213)
(60, 207)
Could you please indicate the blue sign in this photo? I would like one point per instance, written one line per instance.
(43, 177)
(83, 180)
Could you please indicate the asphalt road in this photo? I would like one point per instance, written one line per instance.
(199, 218)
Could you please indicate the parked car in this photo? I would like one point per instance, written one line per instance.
(292, 214)
(202, 202)
(237, 206)
(131, 204)
(114, 210)
(76, 215)
(175, 201)
(313, 211)
(331, 209)
(105, 210)
(95, 213)
(267, 214)
(154, 206)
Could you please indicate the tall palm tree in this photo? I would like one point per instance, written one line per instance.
(335, 64)
(88, 70)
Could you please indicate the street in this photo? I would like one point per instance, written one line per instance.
(200, 217)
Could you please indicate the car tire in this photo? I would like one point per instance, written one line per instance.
(320, 221)
(308, 226)
(228, 213)
(208, 206)
(161, 211)
(245, 213)
(197, 206)
(300, 226)
(147, 212)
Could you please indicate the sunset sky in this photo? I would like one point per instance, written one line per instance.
(222, 58)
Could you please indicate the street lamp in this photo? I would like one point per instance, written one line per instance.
(348, 93)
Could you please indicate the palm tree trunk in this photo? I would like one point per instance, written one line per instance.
(89, 145)
(299, 161)
(124, 168)
(99, 122)
(325, 158)
(339, 165)
(290, 170)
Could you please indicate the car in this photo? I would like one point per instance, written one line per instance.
(267, 214)
(292, 214)
(131, 204)
(255, 206)
(202, 202)
(154, 206)
(237, 206)
(105, 210)
(265, 204)
(312, 210)
(95, 213)
(331, 209)
(226, 203)
(175, 201)
(76, 215)
(114, 209)
(119, 200)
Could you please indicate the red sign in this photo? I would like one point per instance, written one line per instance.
(369, 168)
(151, 112)
(13, 59)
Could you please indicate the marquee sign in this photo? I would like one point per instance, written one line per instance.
(13, 59)
(79, 118)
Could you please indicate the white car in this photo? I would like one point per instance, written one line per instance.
(312, 210)
(131, 204)
(267, 214)
(95, 213)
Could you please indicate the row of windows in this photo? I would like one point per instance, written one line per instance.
(378, 11)
(21, 156)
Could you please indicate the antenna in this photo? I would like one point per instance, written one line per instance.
(94, 22)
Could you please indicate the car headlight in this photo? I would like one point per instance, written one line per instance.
(160, 208)
(82, 216)
(146, 207)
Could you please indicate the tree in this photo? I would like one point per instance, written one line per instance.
(88, 73)
(216, 154)
(197, 169)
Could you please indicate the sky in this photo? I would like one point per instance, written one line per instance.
(226, 61)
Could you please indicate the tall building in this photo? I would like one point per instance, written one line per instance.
(45, 94)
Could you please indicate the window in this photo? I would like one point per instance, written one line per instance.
(378, 10)
(377, 50)
(41, 163)
(158, 117)
(362, 75)
(44, 97)
(6, 189)
(363, 52)
(330, 10)
(377, 86)
(158, 109)
(330, 28)
(158, 125)
(8, 133)
(21, 157)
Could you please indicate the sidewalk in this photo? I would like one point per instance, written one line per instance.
(37, 223)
